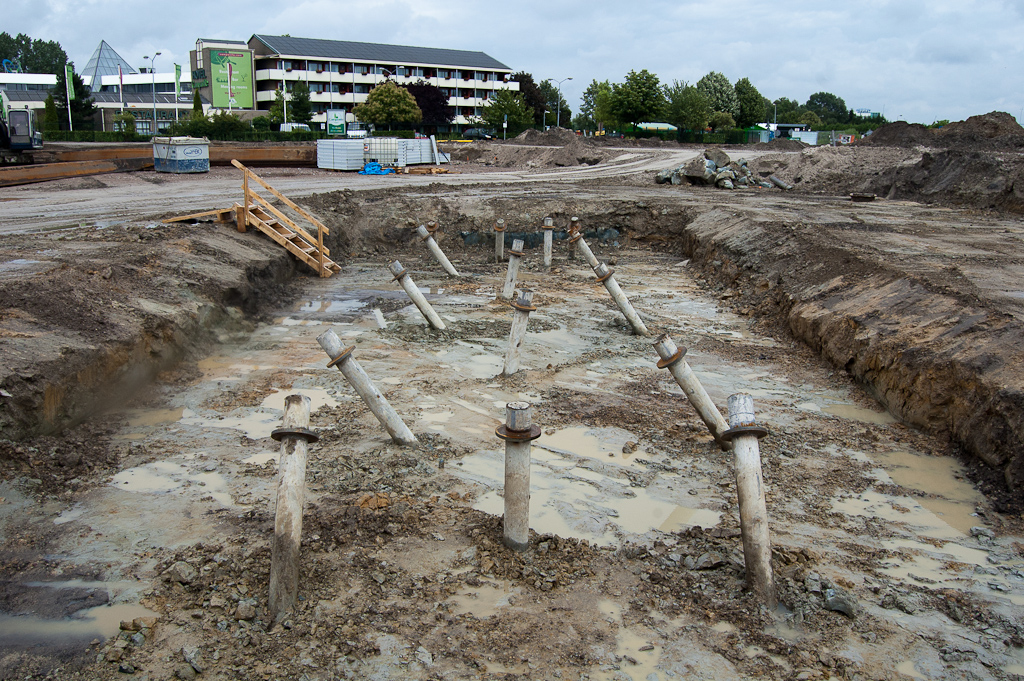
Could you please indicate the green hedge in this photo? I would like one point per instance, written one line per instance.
(90, 136)
(702, 137)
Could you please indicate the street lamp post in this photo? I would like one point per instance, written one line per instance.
(152, 72)
(558, 104)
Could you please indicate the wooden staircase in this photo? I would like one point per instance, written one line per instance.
(258, 212)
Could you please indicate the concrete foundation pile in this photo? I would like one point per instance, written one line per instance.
(715, 168)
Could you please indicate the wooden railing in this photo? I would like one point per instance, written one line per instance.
(253, 203)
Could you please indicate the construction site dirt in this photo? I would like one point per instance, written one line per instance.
(143, 367)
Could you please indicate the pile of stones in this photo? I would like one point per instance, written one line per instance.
(715, 168)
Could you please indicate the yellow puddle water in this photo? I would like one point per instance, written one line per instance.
(102, 621)
(604, 444)
(261, 458)
(266, 418)
(872, 504)
(437, 421)
(571, 495)
(154, 417)
(161, 477)
(941, 475)
(483, 601)
(907, 667)
(227, 368)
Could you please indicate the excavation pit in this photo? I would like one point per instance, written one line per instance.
(634, 565)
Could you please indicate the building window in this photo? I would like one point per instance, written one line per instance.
(444, 73)
(416, 73)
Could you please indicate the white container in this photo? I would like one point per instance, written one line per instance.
(181, 154)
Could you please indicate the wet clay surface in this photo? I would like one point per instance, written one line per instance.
(635, 561)
(140, 542)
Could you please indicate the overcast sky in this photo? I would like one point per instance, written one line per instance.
(915, 60)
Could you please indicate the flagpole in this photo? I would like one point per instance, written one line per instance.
(68, 89)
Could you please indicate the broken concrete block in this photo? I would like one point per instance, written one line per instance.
(715, 154)
(664, 176)
(676, 178)
(725, 184)
(700, 170)
(840, 600)
(182, 573)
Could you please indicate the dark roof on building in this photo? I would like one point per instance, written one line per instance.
(375, 52)
(106, 97)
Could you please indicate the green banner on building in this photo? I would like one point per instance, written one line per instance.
(177, 81)
(231, 78)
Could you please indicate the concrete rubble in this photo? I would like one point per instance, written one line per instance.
(714, 168)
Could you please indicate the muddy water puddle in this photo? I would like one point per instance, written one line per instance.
(196, 453)
(100, 622)
(579, 487)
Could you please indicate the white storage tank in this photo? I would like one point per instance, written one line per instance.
(181, 154)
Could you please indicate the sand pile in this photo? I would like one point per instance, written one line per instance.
(552, 137)
(996, 131)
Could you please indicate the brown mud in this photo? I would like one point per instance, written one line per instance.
(889, 564)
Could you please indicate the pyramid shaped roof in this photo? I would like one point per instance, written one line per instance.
(104, 62)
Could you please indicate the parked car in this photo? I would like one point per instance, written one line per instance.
(293, 127)
(478, 134)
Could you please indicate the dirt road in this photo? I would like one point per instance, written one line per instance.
(893, 559)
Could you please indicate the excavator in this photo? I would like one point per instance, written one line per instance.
(17, 132)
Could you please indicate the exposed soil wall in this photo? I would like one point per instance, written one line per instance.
(86, 327)
(936, 358)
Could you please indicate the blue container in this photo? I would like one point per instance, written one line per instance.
(181, 154)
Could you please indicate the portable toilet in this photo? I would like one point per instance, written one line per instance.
(181, 154)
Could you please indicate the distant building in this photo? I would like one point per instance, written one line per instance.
(867, 113)
(340, 74)
(135, 89)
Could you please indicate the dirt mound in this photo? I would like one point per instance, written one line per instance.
(901, 134)
(574, 153)
(951, 177)
(553, 137)
(783, 144)
(996, 131)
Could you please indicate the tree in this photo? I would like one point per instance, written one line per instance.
(33, 56)
(829, 108)
(82, 106)
(558, 108)
(276, 113)
(51, 119)
(197, 104)
(387, 104)
(433, 103)
(751, 103)
(722, 120)
(299, 107)
(125, 123)
(720, 93)
(787, 110)
(639, 98)
(595, 111)
(810, 118)
(688, 108)
(508, 103)
(532, 95)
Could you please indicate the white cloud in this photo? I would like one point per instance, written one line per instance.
(920, 60)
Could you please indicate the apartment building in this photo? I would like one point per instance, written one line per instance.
(340, 74)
